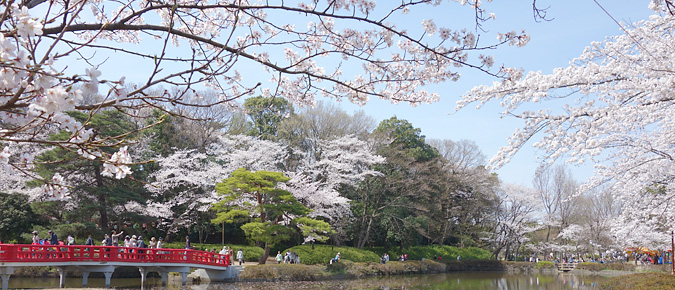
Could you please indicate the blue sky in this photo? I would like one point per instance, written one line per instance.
(574, 25)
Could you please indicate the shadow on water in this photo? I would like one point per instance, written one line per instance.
(463, 281)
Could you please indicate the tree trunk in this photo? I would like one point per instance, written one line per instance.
(266, 254)
(515, 258)
(362, 242)
(102, 206)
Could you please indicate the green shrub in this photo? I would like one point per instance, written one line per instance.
(322, 254)
(429, 252)
(652, 281)
(473, 253)
(544, 265)
(339, 267)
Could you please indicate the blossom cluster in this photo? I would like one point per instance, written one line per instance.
(617, 114)
(57, 57)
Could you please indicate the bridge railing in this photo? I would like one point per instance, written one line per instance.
(52, 253)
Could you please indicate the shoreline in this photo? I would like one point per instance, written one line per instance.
(351, 270)
(253, 272)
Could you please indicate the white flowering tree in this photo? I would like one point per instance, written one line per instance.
(183, 187)
(184, 184)
(342, 162)
(617, 114)
(514, 219)
(58, 56)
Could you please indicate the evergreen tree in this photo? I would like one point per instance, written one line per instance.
(267, 211)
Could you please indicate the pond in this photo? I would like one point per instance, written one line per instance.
(464, 281)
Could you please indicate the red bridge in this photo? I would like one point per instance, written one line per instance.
(105, 259)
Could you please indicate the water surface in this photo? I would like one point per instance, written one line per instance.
(459, 281)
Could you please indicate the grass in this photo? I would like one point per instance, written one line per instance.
(321, 254)
(345, 268)
(283, 272)
(652, 281)
(602, 267)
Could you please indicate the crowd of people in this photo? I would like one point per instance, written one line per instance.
(289, 258)
(385, 258)
(132, 241)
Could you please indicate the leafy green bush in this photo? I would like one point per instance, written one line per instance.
(652, 281)
(473, 253)
(339, 267)
(429, 252)
(322, 254)
(544, 265)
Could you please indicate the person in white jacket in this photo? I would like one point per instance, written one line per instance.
(240, 256)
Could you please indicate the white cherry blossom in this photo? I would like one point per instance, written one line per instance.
(56, 54)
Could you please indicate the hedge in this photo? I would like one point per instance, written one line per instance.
(322, 254)
(544, 265)
(429, 252)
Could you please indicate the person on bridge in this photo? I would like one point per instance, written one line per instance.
(70, 240)
(132, 242)
(116, 237)
(223, 252)
(141, 244)
(107, 241)
(187, 243)
(36, 238)
(89, 241)
(53, 238)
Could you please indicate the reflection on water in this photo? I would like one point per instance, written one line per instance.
(460, 281)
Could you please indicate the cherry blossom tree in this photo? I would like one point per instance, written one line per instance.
(617, 113)
(184, 185)
(182, 188)
(514, 219)
(56, 54)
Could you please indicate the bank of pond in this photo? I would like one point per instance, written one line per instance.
(315, 266)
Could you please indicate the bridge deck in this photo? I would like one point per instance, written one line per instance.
(105, 259)
(565, 267)
(39, 254)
